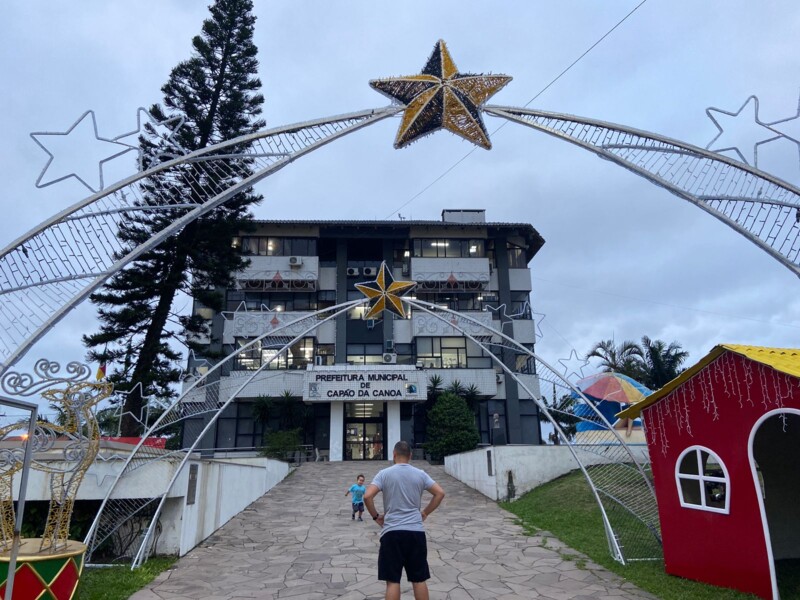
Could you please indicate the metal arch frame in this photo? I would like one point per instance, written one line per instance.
(513, 114)
(614, 547)
(613, 543)
(142, 553)
(339, 309)
(369, 117)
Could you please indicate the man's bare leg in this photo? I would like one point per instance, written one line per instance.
(420, 590)
(392, 590)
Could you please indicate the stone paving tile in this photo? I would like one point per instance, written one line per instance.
(298, 542)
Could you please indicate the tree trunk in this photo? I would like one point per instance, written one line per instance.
(148, 354)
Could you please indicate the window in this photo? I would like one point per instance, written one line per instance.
(298, 356)
(453, 301)
(357, 312)
(451, 353)
(364, 354)
(449, 248)
(326, 354)
(516, 257)
(326, 299)
(256, 245)
(702, 480)
(280, 301)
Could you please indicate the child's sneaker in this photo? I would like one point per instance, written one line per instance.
(353, 517)
(360, 519)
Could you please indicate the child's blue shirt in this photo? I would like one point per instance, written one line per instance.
(358, 492)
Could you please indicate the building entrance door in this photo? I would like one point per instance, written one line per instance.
(364, 429)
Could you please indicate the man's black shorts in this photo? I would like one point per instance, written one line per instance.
(403, 549)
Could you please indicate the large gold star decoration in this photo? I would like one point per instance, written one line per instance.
(442, 98)
(386, 293)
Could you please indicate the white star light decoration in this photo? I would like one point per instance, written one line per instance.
(165, 131)
(93, 182)
(752, 133)
(789, 127)
(73, 142)
(573, 366)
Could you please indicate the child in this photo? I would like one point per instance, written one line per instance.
(358, 490)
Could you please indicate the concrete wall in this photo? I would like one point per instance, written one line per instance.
(530, 467)
(224, 489)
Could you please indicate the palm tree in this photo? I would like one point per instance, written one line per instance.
(434, 387)
(290, 412)
(626, 358)
(662, 362)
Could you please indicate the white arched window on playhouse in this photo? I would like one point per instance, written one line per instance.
(702, 480)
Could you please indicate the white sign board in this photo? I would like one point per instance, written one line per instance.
(379, 385)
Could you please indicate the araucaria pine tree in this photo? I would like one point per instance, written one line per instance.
(216, 91)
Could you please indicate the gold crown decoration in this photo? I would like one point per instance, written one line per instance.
(441, 98)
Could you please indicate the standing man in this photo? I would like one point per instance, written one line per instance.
(403, 544)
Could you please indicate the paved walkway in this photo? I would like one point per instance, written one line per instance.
(298, 542)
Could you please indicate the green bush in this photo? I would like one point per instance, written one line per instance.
(281, 444)
(451, 427)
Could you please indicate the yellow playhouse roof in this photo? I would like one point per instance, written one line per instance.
(785, 360)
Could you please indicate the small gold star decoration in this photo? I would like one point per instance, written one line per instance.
(385, 293)
(441, 98)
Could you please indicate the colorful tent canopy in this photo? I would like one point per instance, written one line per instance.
(611, 392)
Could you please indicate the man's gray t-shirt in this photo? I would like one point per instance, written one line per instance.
(402, 486)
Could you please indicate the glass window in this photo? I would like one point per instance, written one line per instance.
(702, 480)
(516, 257)
(226, 433)
(326, 299)
(449, 248)
(364, 354)
(269, 355)
(275, 246)
(363, 410)
(357, 312)
(442, 353)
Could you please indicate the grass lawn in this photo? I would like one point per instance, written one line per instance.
(118, 583)
(578, 524)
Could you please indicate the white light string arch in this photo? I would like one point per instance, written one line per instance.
(41, 281)
(113, 513)
(642, 506)
(643, 511)
(758, 205)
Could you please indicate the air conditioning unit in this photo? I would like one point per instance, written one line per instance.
(498, 377)
(389, 346)
(352, 271)
(319, 360)
(295, 261)
(370, 271)
(389, 358)
(370, 323)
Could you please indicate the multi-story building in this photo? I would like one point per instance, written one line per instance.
(361, 384)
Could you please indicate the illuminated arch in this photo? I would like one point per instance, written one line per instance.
(615, 473)
(40, 281)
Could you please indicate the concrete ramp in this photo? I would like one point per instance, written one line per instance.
(298, 541)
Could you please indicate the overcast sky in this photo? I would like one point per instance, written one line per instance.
(622, 258)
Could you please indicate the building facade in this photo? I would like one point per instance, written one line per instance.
(354, 385)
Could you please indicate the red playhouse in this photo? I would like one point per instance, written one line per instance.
(724, 442)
